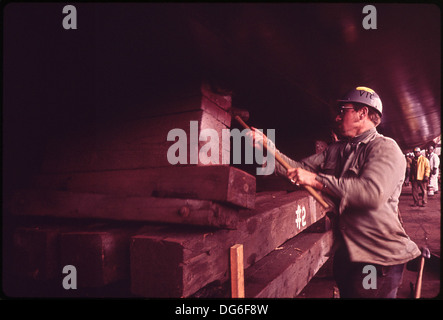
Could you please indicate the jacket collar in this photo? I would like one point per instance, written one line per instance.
(365, 137)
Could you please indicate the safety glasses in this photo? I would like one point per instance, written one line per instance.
(342, 110)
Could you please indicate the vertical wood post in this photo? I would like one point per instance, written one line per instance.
(237, 272)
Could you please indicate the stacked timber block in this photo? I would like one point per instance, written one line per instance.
(139, 137)
(200, 258)
(120, 170)
(109, 203)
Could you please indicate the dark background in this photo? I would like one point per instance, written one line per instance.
(285, 63)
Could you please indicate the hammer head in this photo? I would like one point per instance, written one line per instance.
(242, 113)
(425, 253)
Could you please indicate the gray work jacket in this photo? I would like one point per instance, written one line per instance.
(367, 184)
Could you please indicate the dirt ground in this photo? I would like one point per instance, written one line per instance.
(423, 225)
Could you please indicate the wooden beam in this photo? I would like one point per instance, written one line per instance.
(219, 183)
(237, 271)
(223, 101)
(190, 97)
(101, 257)
(156, 266)
(36, 252)
(138, 140)
(202, 256)
(286, 271)
(65, 204)
(131, 144)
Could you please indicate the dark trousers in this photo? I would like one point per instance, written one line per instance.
(417, 186)
(353, 278)
(407, 175)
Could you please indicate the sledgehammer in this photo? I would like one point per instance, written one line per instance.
(425, 254)
(311, 190)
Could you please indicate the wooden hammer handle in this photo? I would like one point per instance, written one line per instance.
(311, 190)
(419, 279)
(243, 124)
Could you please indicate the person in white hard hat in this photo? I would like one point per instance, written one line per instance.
(434, 163)
(363, 174)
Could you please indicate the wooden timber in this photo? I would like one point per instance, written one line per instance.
(221, 183)
(66, 204)
(132, 144)
(36, 252)
(99, 252)
(138, 139)
(237, 271)
(216, 105)
(36, 246)
(100, 257)
(286, 271)
(177, 264)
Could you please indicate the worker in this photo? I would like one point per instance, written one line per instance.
(420, 171)
(320, 146)
(362, 173)
(434, 163)
(408, 158)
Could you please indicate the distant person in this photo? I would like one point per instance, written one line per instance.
(434, 163)
(420, 171)
(320, 146)
(408, 168)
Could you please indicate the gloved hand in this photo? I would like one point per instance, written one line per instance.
(434, 171)
(425, 179)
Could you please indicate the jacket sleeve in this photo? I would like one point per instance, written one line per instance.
(381, 173)
(312, 163)
(427, 168)
(436, 161)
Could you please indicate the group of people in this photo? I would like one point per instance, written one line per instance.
(422, 172)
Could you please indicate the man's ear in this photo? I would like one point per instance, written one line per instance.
(364, 112)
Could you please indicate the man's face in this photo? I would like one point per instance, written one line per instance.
(417, 154)
(347, 121)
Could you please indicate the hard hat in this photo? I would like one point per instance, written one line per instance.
(366, 96)
(417, 149)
